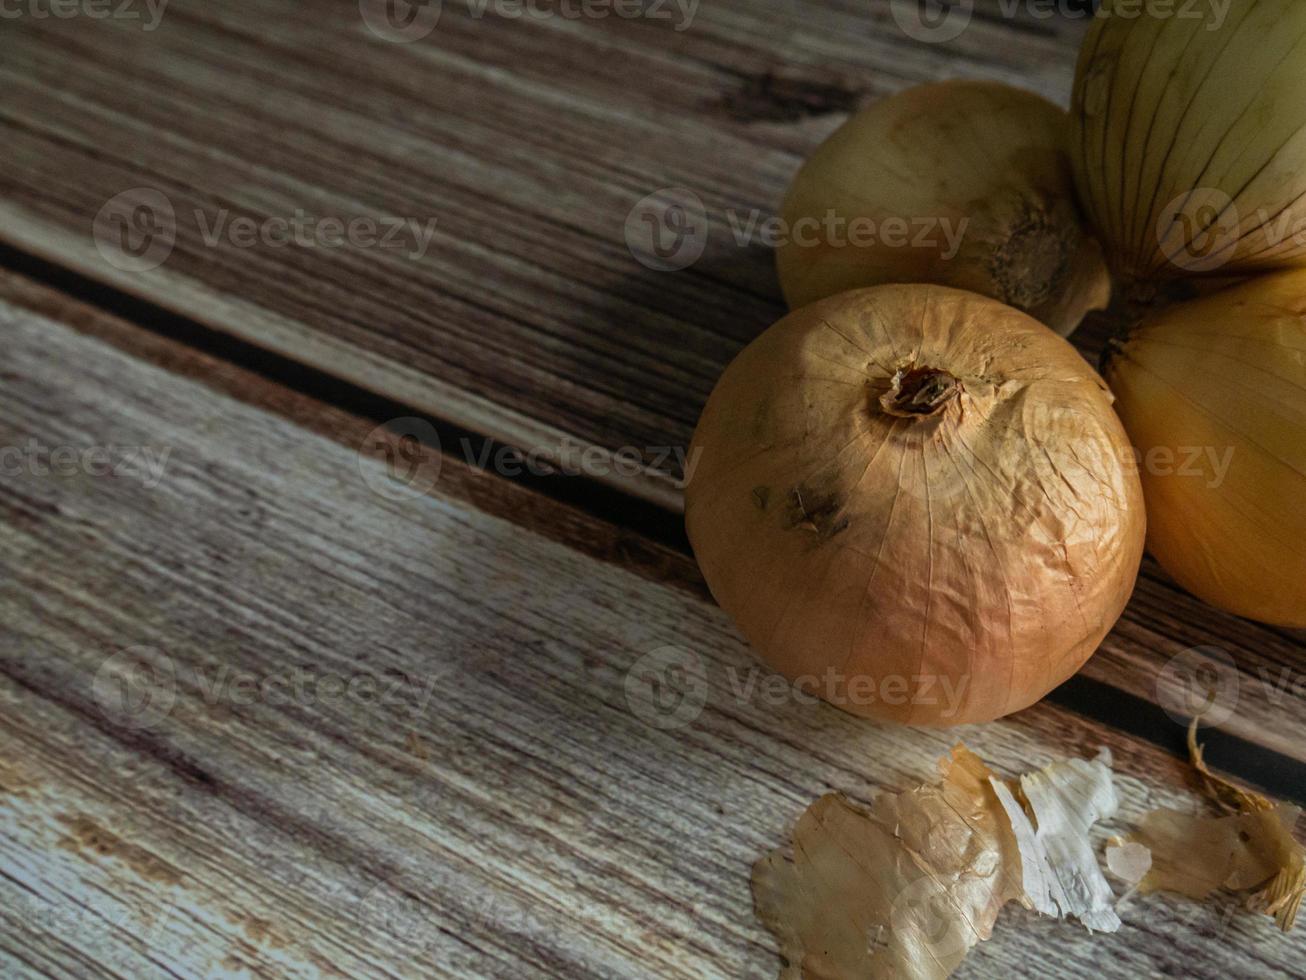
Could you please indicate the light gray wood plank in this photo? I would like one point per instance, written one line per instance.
(522, 820)
(528, 141)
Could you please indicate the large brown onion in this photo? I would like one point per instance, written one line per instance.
(917, 503)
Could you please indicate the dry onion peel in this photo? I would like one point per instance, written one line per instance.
(918, 502)
(987, 206)
(1061, 873)
(902, 890)
(1250, 850)
(905, 889)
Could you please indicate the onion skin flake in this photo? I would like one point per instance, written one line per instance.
(902, 890)
(905, 889)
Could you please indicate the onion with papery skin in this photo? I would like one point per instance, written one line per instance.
(963, 184)
(1189, 137)
(917, 503)
(1213, 394)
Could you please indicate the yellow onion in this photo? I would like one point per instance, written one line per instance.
(1189, 136)
(1213, 394)
(963, 184)
(917, 503)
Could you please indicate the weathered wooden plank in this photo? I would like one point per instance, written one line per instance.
(530, 165)
(509, 809)
(528, 141)
(1161, 652)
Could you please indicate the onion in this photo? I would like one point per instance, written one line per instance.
(963, 184)
(1213, 393)
(917, 503)
(1189, 137)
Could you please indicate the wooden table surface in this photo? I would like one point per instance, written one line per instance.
(267, 709)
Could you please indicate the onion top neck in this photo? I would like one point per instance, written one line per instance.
(920, 392)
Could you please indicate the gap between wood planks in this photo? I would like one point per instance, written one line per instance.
(649, 540)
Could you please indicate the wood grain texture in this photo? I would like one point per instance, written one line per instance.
(528, 140)
(506, 809)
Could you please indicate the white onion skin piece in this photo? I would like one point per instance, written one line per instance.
(985, 158)
(1227, 371)
(1169, 117)
(992, 545)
